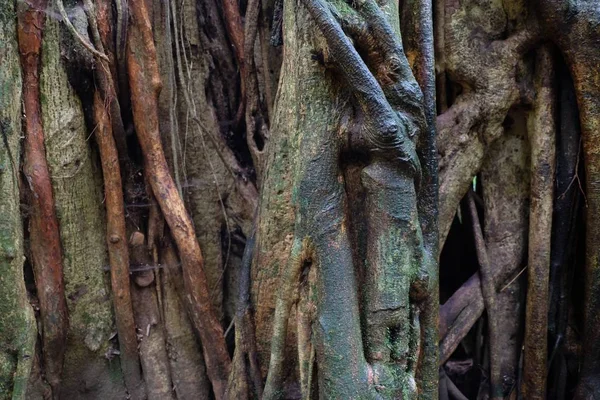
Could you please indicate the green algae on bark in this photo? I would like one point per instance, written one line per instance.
(77, 186)
(304, 229)
(17, 322)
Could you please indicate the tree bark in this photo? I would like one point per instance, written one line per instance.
(46, 251)
(17, 322)
(287, 246)
(542, 134)
(145, 87)
(116, 239)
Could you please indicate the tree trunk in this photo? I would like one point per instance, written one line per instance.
(17, 322)
(223, 199)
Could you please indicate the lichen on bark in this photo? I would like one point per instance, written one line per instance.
(77, 187)
(330, 106)
(17, 322)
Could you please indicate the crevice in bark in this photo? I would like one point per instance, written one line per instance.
(565, 233)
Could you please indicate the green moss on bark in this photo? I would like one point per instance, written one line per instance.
(17, 323)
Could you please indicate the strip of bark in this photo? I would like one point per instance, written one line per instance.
(417, 23)
(235, 30)
(256, 126)
(102, 36)
(458, 315)
(46, 248)
(145, 86)
(118, 252)
(112, 31)
(110, 136)
(245, 377)
(565, 232)
(488, 291)
(577, 37)
(542, 134)
(153, 352)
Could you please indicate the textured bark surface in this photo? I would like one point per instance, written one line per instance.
(116, 239)
(145, 86)
(487, 68)
(542, 138)
(46, 251)
(76, 180)
(17, 322)
(505, 180)
(315, 207)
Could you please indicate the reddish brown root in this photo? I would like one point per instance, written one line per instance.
(145, 86)
(46, 248)
(117, 249)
